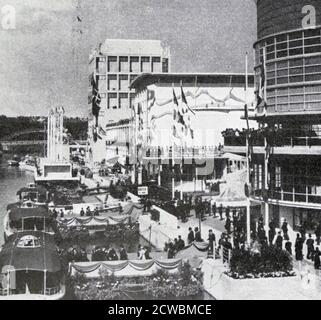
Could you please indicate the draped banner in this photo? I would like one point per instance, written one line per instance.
(124, 268)
(93, 221)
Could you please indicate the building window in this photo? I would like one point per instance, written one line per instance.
(133, 77)
(112, 83)
(112, 64)
(123, 83)
(165, 65)
(145, 64)
(134, 64)
(123, 64)
(156, 65)
(112, 101)
(123, 101)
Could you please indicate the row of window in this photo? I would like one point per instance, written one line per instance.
(131, 64)
(297, 70)
(288, 45)
(294, 98)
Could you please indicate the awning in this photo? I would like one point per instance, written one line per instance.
(42, 258)
(17, 213)
(34, 189)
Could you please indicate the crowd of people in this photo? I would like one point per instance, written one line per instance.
(108, 253)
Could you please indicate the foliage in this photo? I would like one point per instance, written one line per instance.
(118, 191)
(270, 262)
(162, 285)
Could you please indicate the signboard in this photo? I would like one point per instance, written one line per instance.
(142, 191)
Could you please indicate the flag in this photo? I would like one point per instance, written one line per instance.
(187, 116)
(96, 99)
(246, 116)
(185, 102)
(102, 131)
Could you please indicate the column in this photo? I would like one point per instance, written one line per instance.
(266, 187)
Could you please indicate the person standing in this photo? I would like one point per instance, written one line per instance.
(317, 254)
(318, 233)
(288, 247)
(211, 240)
(271, 232)
(310, 247)
(298, 248)
(228, 225)
(227, 212)
(190, 237)
(220, 211)
(214, 209)
(285, 230)
(279, 241)
(122, 253)
(180, 243)
(198, 237)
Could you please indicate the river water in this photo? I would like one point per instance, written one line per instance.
(11, 180)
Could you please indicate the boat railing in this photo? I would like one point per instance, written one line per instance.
(52, 291)
(4, 292)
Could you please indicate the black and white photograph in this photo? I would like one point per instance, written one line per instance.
(160, 150)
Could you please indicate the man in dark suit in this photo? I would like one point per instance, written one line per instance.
(190, 237)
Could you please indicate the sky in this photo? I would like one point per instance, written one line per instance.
(44, 59)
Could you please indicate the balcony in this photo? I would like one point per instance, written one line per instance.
(291, 198)
(283, 141)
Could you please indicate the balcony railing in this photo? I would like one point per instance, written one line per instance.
(291, 196)
(197, 152)
(276, 138)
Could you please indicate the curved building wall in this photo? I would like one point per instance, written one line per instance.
(292, 62)
(276, 16)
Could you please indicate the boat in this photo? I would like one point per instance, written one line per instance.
(32, 194)
(31, 268)
(20, 219)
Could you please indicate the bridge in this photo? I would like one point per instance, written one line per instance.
(31, 137)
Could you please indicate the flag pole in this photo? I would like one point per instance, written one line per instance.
(181, 166)
(173, 157)
(248, 203)
(266, 159)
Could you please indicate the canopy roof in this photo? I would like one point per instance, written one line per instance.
(38, 189)
(40, 258)
(17, 213)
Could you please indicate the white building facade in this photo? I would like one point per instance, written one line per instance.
(216, 102)
(114, 65)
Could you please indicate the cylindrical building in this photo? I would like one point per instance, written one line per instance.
(286, 161)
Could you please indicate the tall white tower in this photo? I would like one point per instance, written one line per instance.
(55, 134)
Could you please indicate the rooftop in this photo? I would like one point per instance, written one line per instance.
(233, 79)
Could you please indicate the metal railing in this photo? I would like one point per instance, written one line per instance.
(278, 138)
